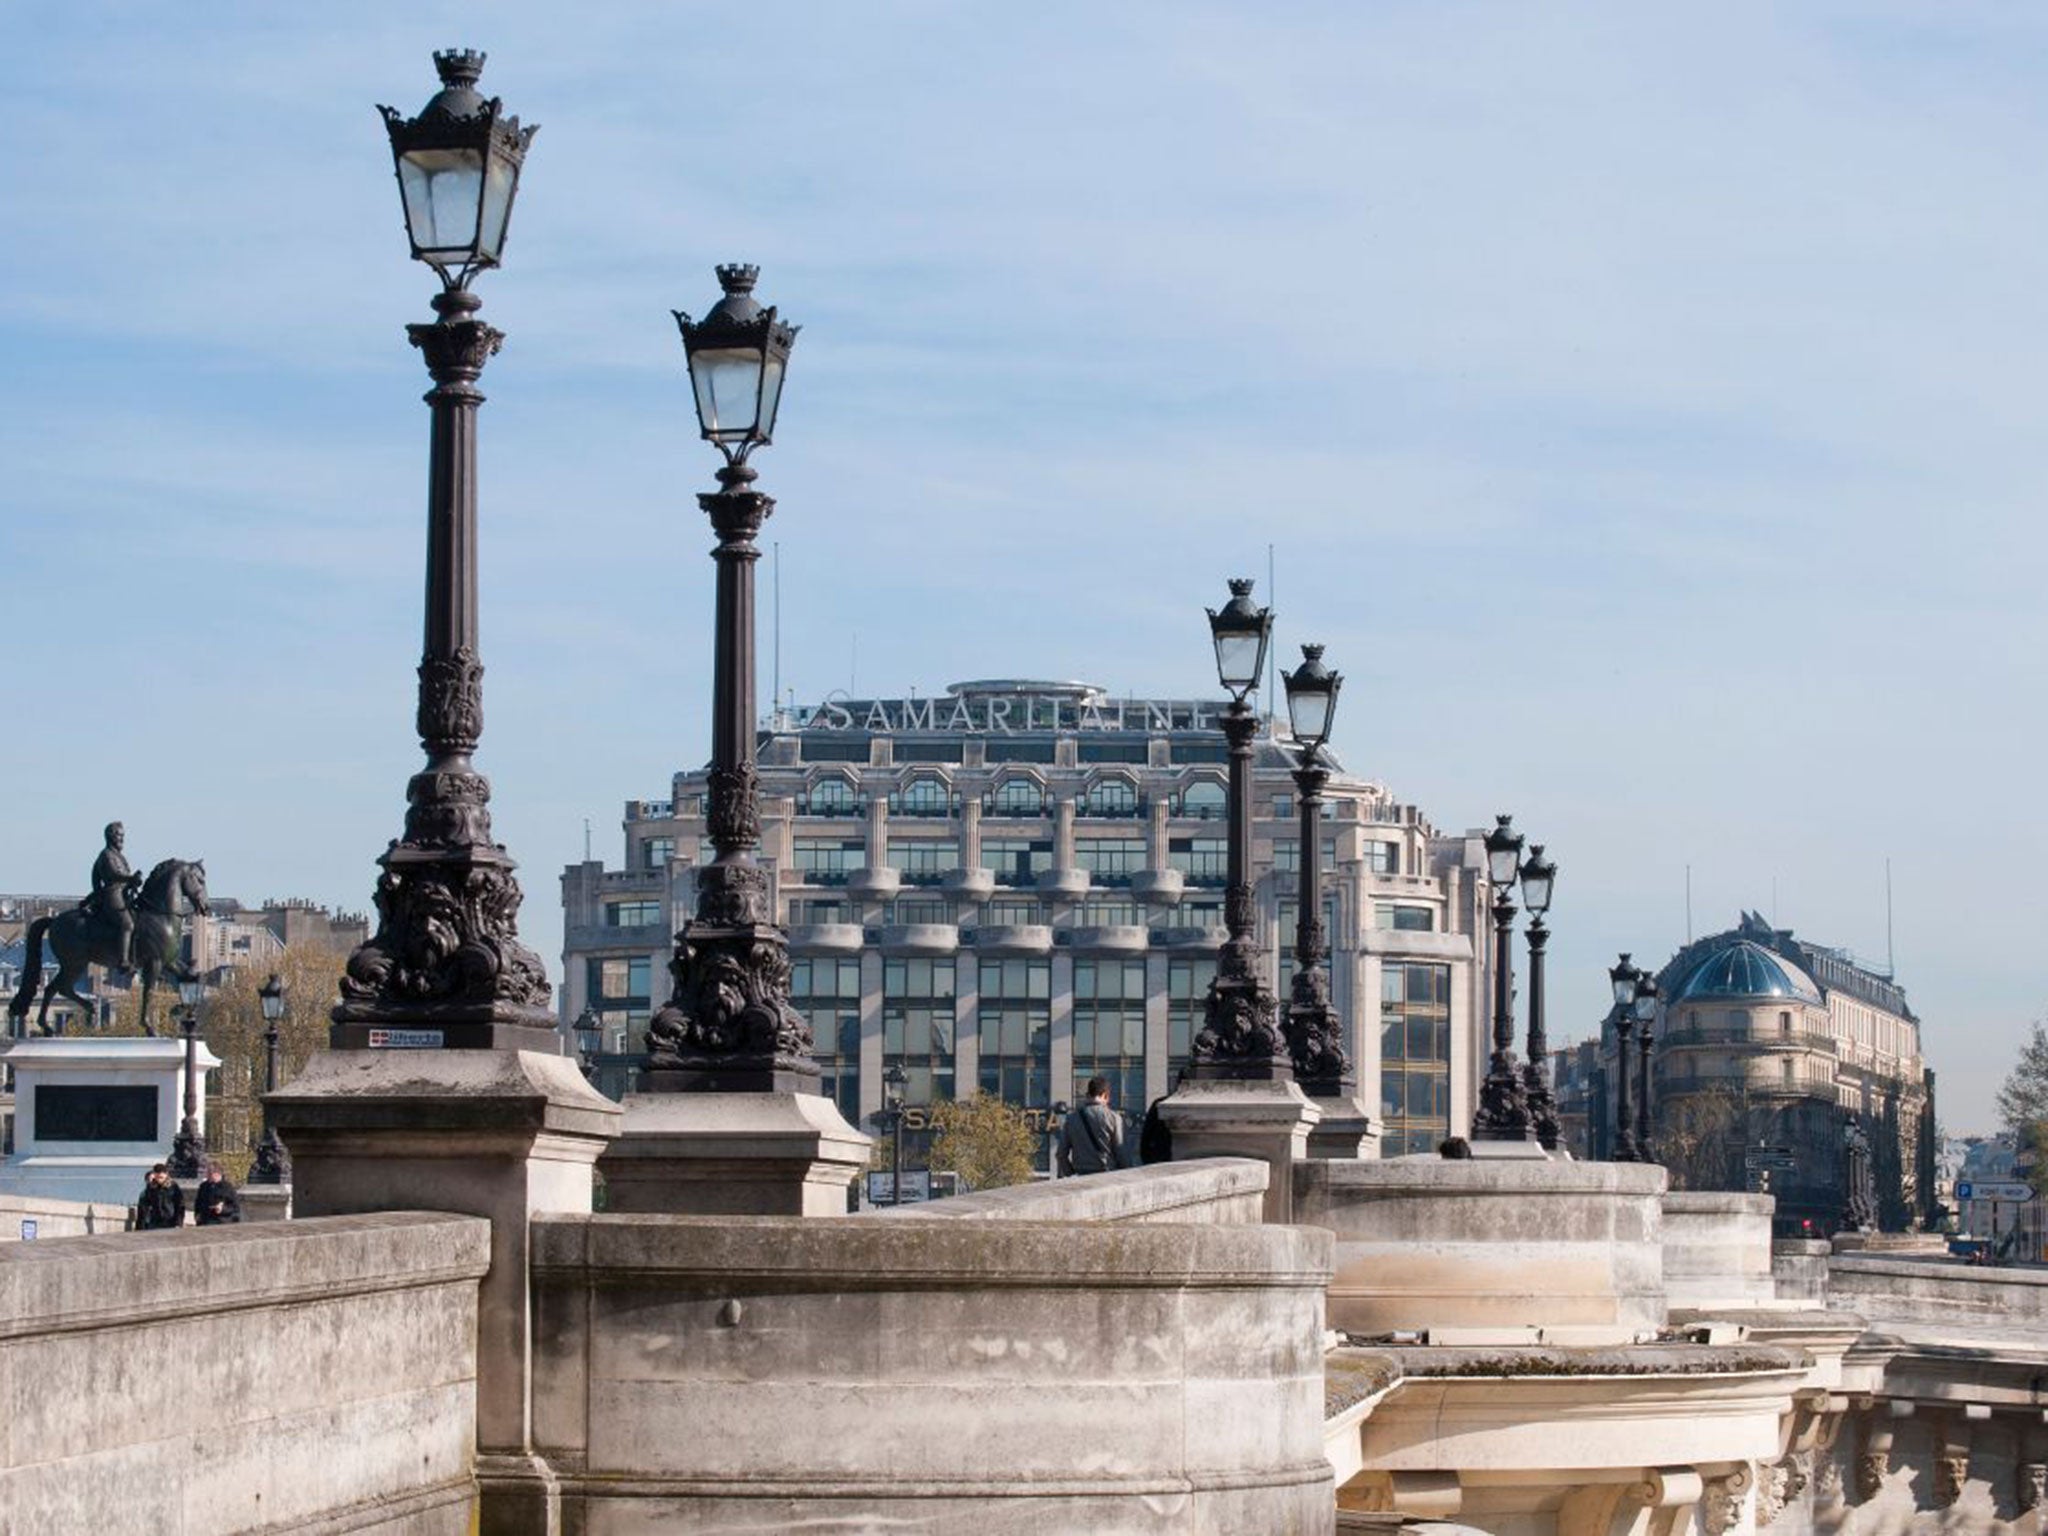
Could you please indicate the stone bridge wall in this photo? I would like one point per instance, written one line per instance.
(314, 1375)
(1005, 1376)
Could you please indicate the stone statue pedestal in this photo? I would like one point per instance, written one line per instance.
(505, 1135)
(733, 1154)
(1271, 1121)
(92, 1115)
(1345, 1130)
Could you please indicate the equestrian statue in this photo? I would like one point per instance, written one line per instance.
(129, 922)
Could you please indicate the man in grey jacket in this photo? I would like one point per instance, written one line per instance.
(1092, 1137)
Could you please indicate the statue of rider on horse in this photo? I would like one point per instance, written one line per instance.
(130, 922)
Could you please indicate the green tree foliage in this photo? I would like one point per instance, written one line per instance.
(987, 1142)
(2023, 1099)
(231, 1023)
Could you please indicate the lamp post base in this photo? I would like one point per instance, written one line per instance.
(726, 1152)
(1268, 1120)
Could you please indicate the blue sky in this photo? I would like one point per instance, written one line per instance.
(1643, 402)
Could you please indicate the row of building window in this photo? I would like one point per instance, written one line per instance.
(1014, 1021)
(1015, 911)
(854, 747)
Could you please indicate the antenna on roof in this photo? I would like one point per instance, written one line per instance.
(1891, 969)
(775, 570)
(586, 839)
(1688, 903)
(1272, 652)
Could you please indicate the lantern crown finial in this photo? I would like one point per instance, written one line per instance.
(1310, 651)
(1241, 586)
(460, 68)
(737, 277)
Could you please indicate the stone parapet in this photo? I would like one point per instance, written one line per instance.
(310, 1375)
(1717, 1248)
(1799, 1268)
(1429, 1244)
(740, 1154)
(1963, 1298)
(1227, 1191)
(28, 1216)
(994, 1376)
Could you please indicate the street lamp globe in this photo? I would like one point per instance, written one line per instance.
(738, 354)
(1646, 998)
(1312, 699)
(1539, 879)
(458, 169)
(589, 1032)
(1623, 979)
(894, 1081)
(1240, 632)
(190, 990)
(271, 996)
(1503, 853)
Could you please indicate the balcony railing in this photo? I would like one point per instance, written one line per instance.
(1804, 1039)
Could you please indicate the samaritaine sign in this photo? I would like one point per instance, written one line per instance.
(1024, 707)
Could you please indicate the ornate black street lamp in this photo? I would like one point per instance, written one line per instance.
(1503, 1101)
(1315, 1034)
(890, 1119)
(728, 1027)
(1624, 978)
(188, 1147)
(445, 961)
(271, 1165)
(589, 1031)
(1539, 879)
(1240, 1036)
(1646, 1024)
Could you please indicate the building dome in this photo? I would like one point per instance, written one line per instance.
(1746, 969)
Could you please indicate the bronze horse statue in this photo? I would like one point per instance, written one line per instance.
(79, 938)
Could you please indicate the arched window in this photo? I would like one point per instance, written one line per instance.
(1206, 801)
(1111, 797)
(1019, 797)
(831, 797)
(921, 797)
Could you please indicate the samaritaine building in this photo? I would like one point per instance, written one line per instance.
(1019, 885)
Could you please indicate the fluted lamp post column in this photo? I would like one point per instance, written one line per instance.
(1240, 1038)
(1646, 1024)
(1503, 1113)
(270, 1165)
(1315, 1033)
(445, 967)
(1624, 977)
(728, 1026)
(1539, 881)
(188, 1147)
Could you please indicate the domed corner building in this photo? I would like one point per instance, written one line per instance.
(1765, 1046)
